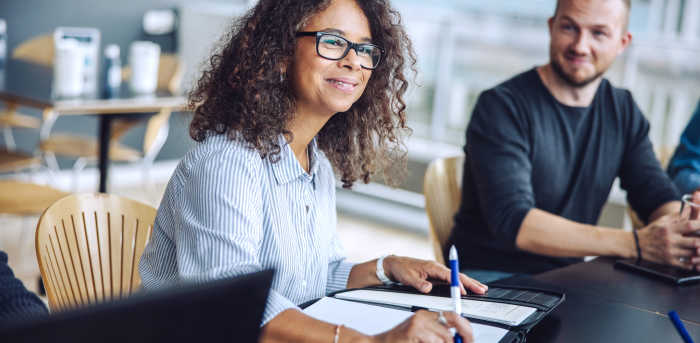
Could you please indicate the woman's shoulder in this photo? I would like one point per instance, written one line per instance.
(219, 153)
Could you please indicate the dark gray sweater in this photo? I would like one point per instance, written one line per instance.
(526, 150)
(16, 302)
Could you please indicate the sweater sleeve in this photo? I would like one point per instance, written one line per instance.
(498, 147)
(16, 302)
(648, 186)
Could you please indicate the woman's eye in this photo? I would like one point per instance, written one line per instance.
(334, 42)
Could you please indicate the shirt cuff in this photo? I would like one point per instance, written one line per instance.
(276, 303)
(338, 274)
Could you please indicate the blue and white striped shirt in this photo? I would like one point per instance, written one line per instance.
(227, 212)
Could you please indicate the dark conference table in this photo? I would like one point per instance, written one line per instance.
(30, 85)
(605, 304)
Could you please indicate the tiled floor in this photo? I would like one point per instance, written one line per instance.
(362, 239)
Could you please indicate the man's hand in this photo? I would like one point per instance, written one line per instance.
(666, 241)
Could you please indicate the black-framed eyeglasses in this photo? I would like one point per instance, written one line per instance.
(333, 47)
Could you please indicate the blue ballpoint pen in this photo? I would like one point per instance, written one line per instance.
(455, 289)
(679, 326)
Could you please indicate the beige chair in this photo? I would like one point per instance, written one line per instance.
(38, 50)
(25, 199)
(88, 247)
(34, 51)
(10, 159)
(442, 186)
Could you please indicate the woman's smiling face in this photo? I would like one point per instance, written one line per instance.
(323, 86)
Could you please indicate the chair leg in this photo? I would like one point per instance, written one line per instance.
(78, 166)
(9, 139)
(51, 161)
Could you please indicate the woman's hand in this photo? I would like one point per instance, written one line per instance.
(425, 327)
(415, 272)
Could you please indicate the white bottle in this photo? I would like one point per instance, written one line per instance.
(143, 58)
(68, 68)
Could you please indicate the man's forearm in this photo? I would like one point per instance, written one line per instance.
(548, 234)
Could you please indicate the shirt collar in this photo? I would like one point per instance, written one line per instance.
(288, 168)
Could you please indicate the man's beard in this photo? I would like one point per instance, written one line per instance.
(570, 80)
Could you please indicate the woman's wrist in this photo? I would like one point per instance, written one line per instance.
(383, 269)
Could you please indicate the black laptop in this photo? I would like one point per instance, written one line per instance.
(227, 310)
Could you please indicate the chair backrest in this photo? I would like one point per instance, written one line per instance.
(88, 247)
(37, 50)
(442, 187)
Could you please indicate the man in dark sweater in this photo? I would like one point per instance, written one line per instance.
(543, 150)
(16, 302)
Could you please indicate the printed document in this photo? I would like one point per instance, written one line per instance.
(487, 310)
(372, 320)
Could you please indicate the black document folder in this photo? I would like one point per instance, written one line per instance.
(543, 298)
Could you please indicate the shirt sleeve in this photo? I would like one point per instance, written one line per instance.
(338, 268)
(687, 155)
(648, 186)
(498, 149)
(221, 224)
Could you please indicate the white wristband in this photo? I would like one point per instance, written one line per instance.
(381, 275)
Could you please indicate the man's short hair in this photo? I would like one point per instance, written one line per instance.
(628, 4)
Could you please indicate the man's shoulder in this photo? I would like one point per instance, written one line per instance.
(517, 84)
(619, 93)
(516, 90)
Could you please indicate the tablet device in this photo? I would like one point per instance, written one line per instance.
(669, 273)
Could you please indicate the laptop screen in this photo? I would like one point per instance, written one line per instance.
(224, 310)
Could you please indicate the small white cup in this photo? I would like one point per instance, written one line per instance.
(143, 58)
(68, 68)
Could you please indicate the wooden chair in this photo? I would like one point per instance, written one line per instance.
(88, 247)
(38, 50)
(25, 199)
(442, 186)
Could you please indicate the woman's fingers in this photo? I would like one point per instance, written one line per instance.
(462, 325)
(473, 285)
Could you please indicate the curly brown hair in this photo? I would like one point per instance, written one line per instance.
(244, 91)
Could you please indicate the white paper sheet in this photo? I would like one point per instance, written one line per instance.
(486, 310)
(371, 320)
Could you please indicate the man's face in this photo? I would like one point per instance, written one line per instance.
(586, 37)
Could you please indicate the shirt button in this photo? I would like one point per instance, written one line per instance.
(303, 283)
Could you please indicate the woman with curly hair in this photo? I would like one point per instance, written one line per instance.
(301, 88)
